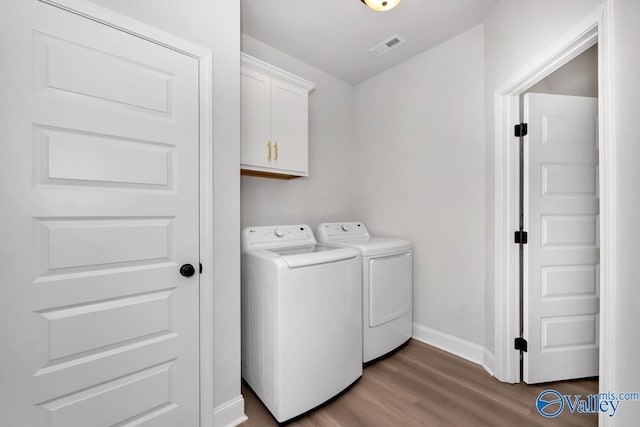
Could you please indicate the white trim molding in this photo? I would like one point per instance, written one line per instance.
(467, 350)
(260, 66)
(449, 343)
(206, 241)
(595, 28)
(205, 64)
(230, 414)
(608, 202)
(488, 362)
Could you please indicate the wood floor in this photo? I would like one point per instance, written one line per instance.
(423, 386)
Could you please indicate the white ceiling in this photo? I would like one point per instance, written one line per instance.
(336, 35)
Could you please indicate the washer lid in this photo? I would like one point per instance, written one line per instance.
(374, 246)
(306, 255)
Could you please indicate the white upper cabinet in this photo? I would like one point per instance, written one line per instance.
(275, 121)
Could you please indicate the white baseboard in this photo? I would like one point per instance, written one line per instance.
(230, 414)
(488, 362)
(467, 350)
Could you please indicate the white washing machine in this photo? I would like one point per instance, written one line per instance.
(301, 318)
(387, 278)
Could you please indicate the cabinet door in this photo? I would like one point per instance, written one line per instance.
(256, 119)
(290, 127)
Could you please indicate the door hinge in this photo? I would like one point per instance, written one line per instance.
(521, 237)
(521, 130)
(200, 268)
(520, 344)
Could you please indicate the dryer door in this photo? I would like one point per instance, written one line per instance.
(390, 288)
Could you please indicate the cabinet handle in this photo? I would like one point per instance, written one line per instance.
(275, 146)
(269, 150)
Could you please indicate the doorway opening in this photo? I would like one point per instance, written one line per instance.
(558, 211)
(596, 31)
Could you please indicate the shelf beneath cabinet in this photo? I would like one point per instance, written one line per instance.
(260, 174)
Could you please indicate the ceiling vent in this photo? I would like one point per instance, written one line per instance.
(390, 43)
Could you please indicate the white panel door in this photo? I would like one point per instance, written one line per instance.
(257, 146)
(290, 128)
(561, 286)
(99, 185)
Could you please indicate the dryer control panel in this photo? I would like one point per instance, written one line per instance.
(332, 230)
(277, 236)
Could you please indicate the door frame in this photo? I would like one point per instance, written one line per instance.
(595, 28)
(205, 94)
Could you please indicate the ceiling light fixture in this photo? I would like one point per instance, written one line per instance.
(381, 5)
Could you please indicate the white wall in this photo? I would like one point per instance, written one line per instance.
(578, 77)
(627, 63)
(214, 24)
(420, 175)
(326, 195)
(515, 31)
(417, 160)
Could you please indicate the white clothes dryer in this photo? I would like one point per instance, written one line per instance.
(301, 318)
(387, 278)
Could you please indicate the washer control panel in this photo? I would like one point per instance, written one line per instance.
(274, 236)
(337, 230)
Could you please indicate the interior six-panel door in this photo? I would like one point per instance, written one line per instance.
(100, 148)
(561, 287)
